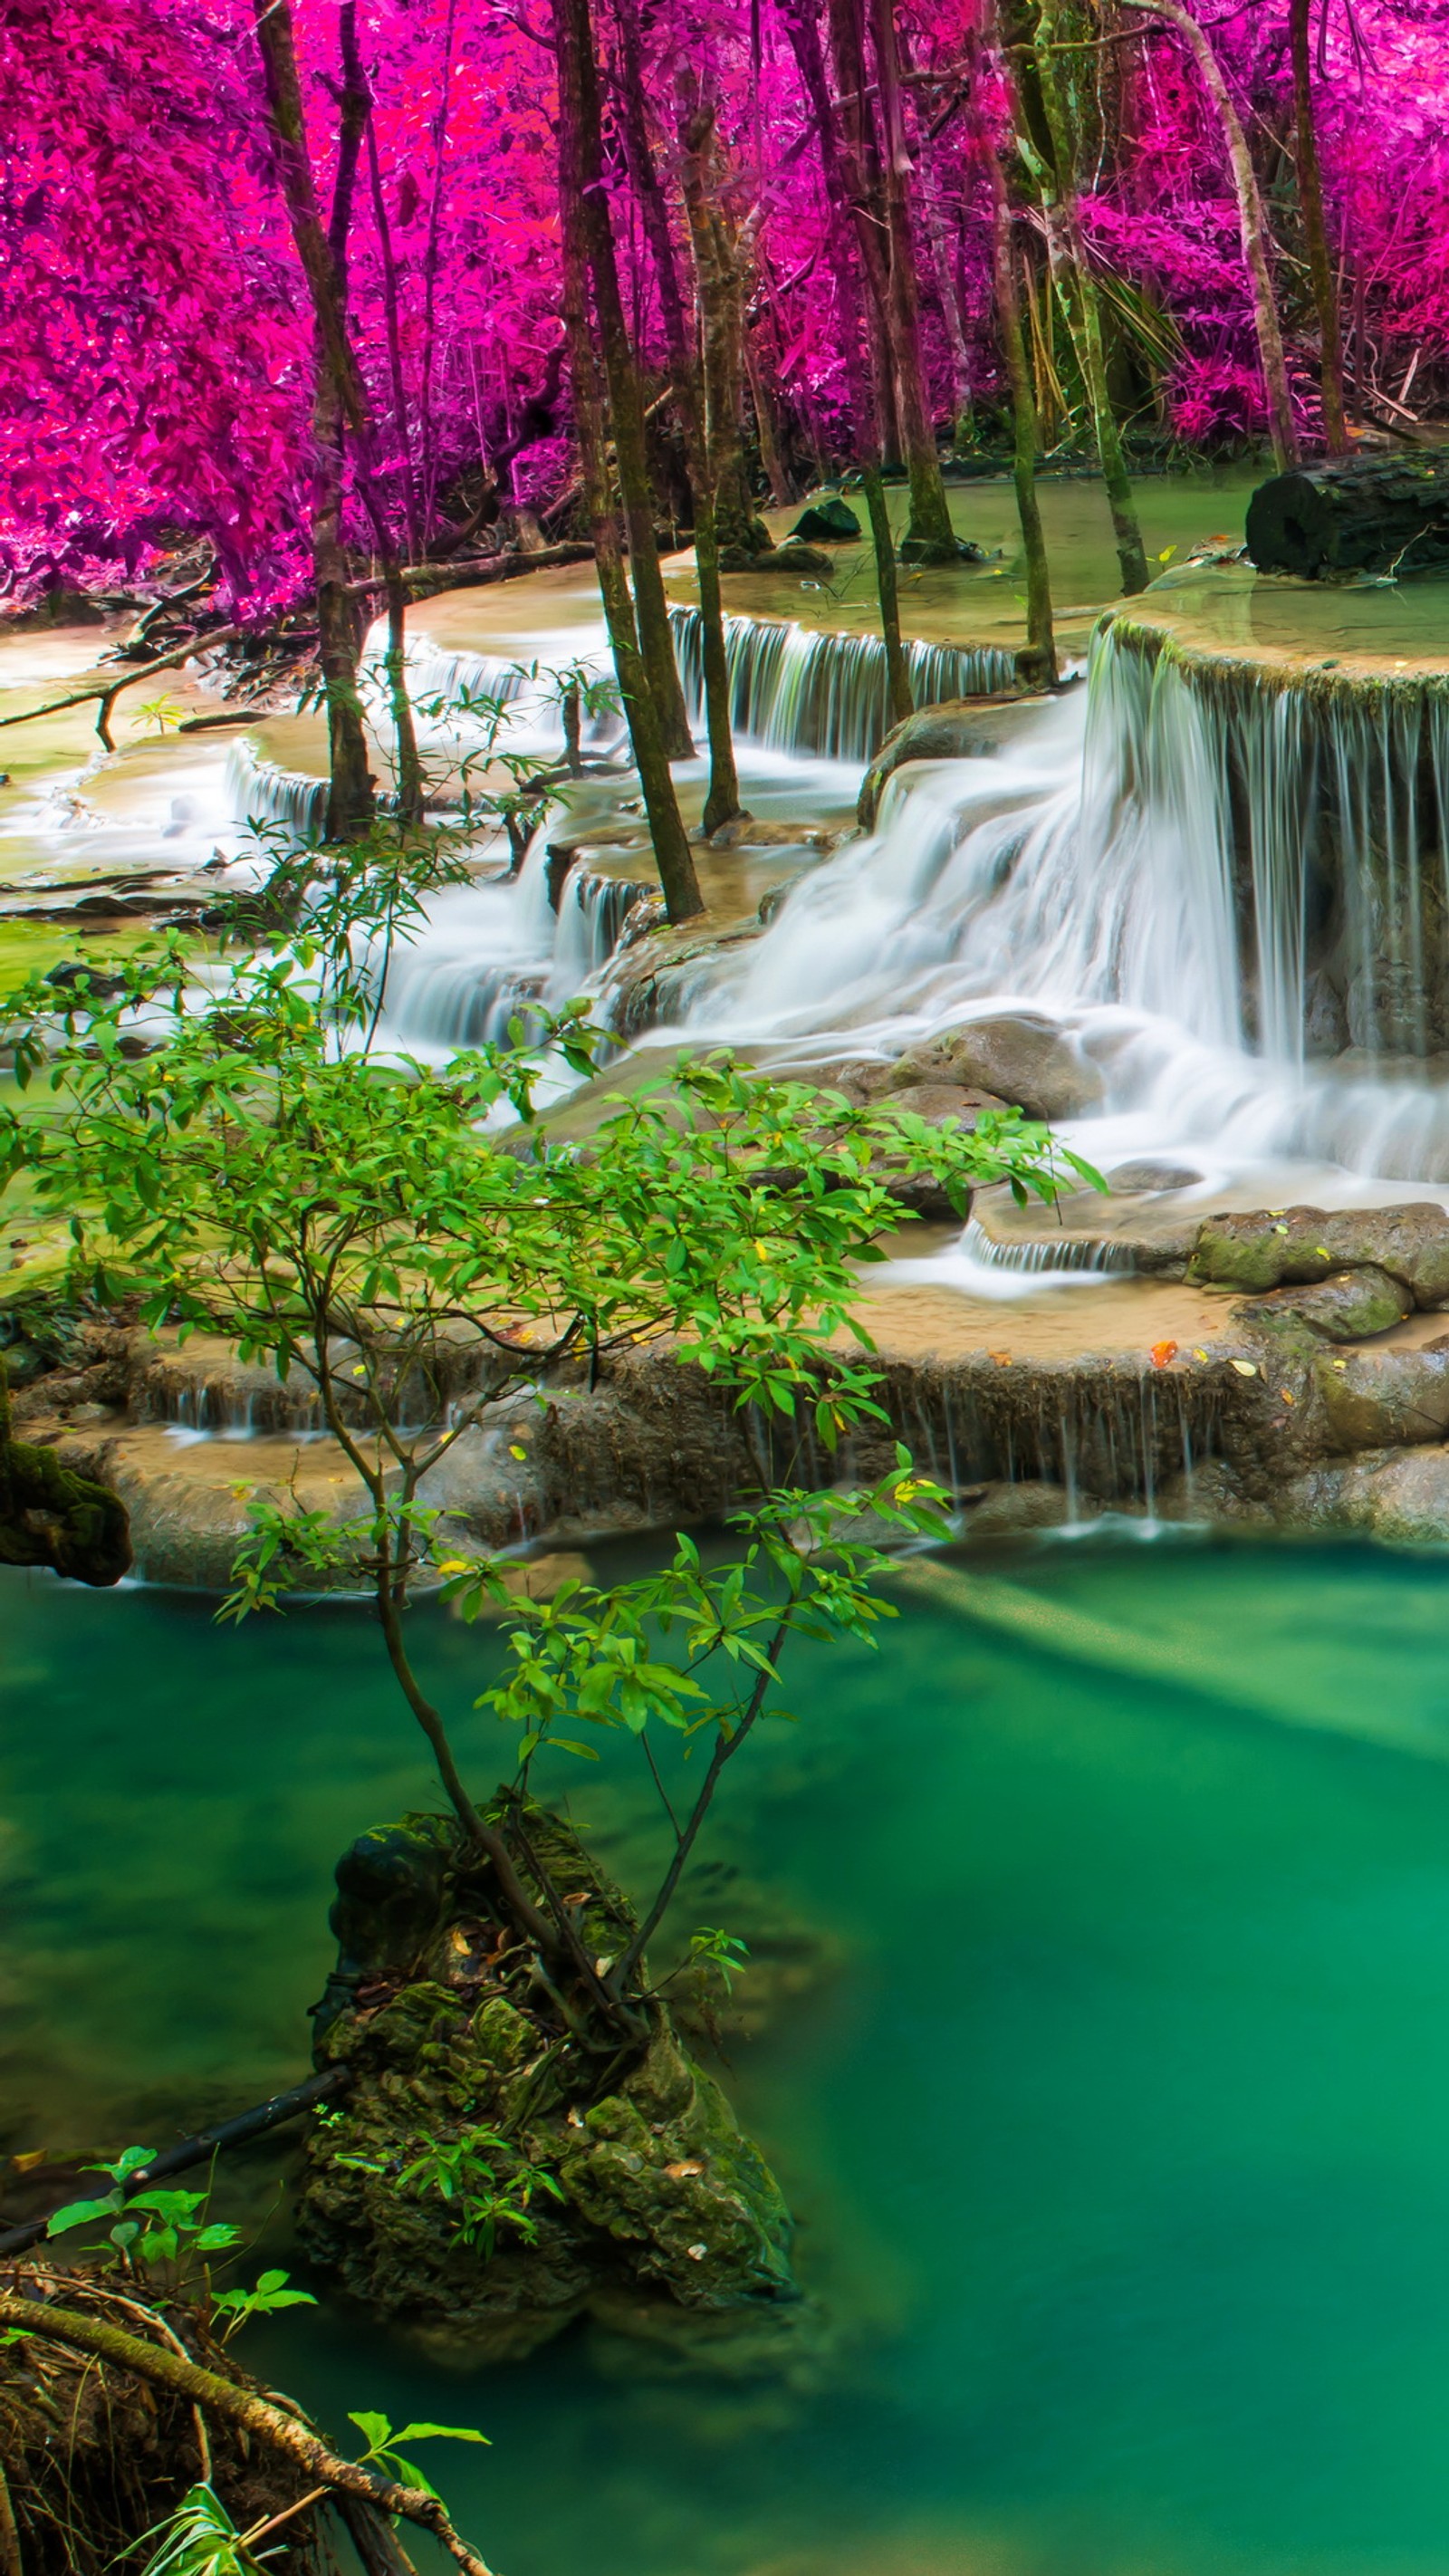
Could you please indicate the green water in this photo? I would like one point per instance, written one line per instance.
(1118, 2133)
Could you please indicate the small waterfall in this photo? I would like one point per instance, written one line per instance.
(794, 689)
(1331, 802)
(1044, 1253)
(259, 792)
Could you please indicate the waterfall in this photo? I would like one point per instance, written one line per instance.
(259, 792)
(1190, 874)
(792, 689)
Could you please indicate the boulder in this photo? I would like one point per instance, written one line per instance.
(1384, 1399)
(1351, 1306)
(1015, 1056)
(653, 2192)
(1299, 1246)
(923, 552)
(1141, 1180)
(786, 558)
(828, 522)
(953, 729)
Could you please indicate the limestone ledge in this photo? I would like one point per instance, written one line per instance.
(1319, 1401)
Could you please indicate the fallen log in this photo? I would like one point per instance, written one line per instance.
(1373, 514)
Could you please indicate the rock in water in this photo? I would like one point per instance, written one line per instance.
(829, 522)
(787, 558)
(1373, 514)
(1019, 1058)
(654, 2194)
(51, 1516)
(950, 729)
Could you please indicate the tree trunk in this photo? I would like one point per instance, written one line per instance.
(864, 348)
(621, 377)
(770, 458)
(573, 45)
(898, 674)
(933, 217)
(1039, 661)
(1068, 251)
(350, 807)
(1252, 227)
(854, 154)
(394, 341)
(1320, 264)
(722, 801)
(929, 537)
(1353, 514)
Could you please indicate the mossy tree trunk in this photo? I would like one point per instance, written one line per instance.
(722, 802)
(350, 802)
(1320, 264)
(580, 209)
(865, 352)
(1077, 287)
(1252, 227)
(626, 401)
(1039, 662)
(929, 532)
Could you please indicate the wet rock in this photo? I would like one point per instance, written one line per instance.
(953, 729)
(786, 558)
(926, 551)
(1351, 1306)
(1384, 1399)
(1398, 1496)
(1018, 1057)
(1001, 1510)
(828, 522)
(941, 1104)
(1296, 1246)
(1140, 1180)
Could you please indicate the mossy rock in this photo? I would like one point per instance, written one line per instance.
(657, 2192)
(1302, 1246)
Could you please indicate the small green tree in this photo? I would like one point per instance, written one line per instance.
(410, 1243)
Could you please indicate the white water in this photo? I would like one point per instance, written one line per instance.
(1087, 873)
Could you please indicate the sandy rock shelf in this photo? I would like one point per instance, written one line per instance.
(1171, 1396)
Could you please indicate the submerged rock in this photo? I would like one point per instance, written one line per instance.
(651, 2191)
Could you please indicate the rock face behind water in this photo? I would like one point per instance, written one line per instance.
(1364, 514)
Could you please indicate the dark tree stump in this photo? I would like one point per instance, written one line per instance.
(1365, 514)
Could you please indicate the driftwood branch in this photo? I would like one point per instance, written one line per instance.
(223, 2400)
(206, 2143)
(421, 580)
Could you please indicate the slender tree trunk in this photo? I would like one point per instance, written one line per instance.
(853, 153)
(430, 269)
(1252, 227)
(770, 458)
(1039, 661)
(930, 537)
(722, 801)
(933, 218)
(1068, 250)
(394, 341)
(655, 642)
(1320, 264)
(865, 352)
(898, 672)
(350, 806)
(672, 854)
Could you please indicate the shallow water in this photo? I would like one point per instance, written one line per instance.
(1120, 2140)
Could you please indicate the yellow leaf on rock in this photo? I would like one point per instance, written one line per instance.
(1245, 1368)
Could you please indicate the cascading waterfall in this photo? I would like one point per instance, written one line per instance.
(797, 690)
(1151, 869)
(260, 792)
